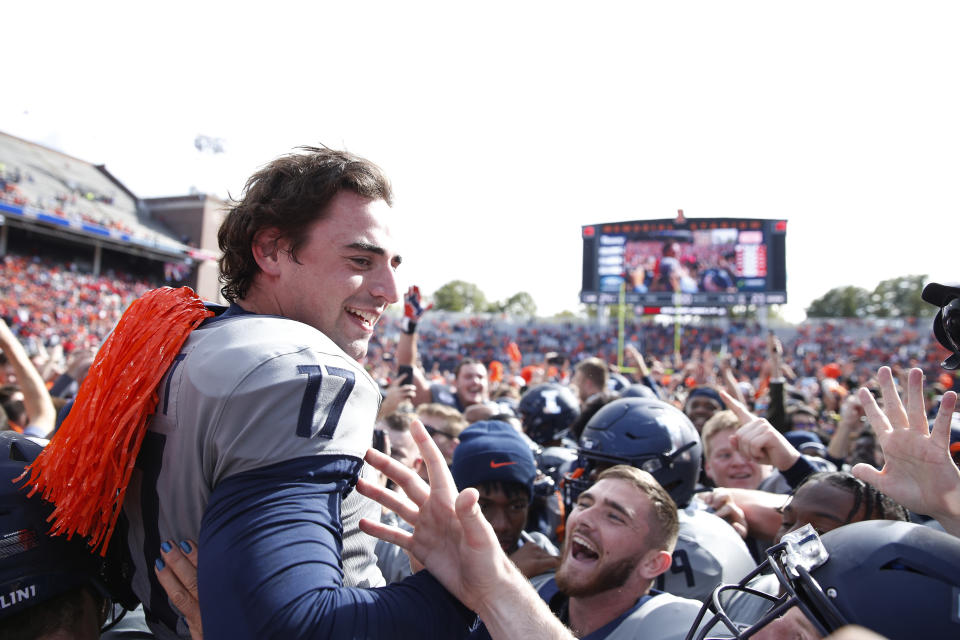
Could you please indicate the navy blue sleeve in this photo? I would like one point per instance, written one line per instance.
(798, 471)
(270, 545)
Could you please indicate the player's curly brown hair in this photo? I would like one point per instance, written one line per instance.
(290, 194)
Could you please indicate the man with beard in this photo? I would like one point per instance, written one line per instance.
(620, 536)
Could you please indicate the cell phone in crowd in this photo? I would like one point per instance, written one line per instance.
(405, 373)
(380, 440)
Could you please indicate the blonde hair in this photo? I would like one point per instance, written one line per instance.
(725, 420)
(452, 418)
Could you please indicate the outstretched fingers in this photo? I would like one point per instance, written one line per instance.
(477, 532)
(869, 474)
(941, 426)
(405, 478)
(892, 406)
(392, 500)
(916, 408)
(393, 535)
(737, 407)
(878, 420)
(441, 482)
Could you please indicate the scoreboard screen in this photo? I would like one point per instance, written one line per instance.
(705, 262)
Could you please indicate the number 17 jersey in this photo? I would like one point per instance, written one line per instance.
(247, 392)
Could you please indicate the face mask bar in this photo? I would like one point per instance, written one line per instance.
(791, 561)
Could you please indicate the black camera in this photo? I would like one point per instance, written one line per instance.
(946, 326)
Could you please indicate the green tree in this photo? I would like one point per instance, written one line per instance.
(519, 304)
(898, 297)
(840, 302)
(458, 295)
(591, 311)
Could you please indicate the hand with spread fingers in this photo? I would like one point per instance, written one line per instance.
(177, 572)
(758, 439)
(918, 471)
(456, 544)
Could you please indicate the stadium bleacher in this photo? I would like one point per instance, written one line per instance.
(48, 186)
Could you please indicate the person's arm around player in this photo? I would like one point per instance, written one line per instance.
(177, 572)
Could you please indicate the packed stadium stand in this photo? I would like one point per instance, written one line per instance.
(53, 203)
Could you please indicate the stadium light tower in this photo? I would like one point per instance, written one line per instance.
(209, 144)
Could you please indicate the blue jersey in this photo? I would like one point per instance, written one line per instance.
(254, 449)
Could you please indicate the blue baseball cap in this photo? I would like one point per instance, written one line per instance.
(492, 451)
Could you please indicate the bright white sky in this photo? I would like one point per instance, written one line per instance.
(505, 126)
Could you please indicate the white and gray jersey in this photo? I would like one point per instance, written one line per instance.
(656, 615)
(244, 393)
(709, 552)
(663, 617)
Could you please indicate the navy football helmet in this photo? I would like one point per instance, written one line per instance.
(34, 566)
(645, 433)
(617, 382)
(555, 462)
(546, 410)
(639, 391)
(898, 579)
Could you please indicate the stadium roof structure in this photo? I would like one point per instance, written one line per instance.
(50, 192)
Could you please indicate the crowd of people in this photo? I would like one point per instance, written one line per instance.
(49, 304)
(520, 481)
(72, 202)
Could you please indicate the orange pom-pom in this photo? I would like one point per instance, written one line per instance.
(85, 469)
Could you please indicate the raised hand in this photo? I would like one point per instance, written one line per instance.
(413, 309)
(918, 471)
(758, 439)
(451, 538)
(457, 545)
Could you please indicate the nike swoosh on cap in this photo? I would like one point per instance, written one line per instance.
(497, 465)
